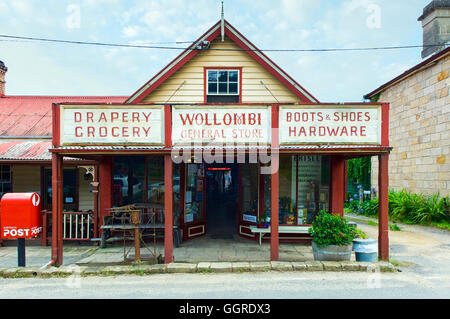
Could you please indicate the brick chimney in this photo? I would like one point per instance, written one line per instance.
(436, 26)
(3, 70)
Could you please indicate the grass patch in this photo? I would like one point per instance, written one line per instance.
(372, 223)
(394, 227)
(441, 225)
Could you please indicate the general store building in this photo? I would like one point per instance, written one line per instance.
(218, 138)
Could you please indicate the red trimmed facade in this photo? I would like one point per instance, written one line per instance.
(191, 186)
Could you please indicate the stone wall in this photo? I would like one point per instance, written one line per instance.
(419, 131)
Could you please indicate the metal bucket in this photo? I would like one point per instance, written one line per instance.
(332, 252)
(365, 249)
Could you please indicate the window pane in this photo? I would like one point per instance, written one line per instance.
(223, 88)
(313, 186)
(233, 88)
(287, 176)
(223, 76)
(212, 76)
(212, 88)
(155, 189)
(6, 187)
(233, 76)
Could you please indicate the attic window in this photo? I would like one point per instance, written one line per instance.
(222, 86)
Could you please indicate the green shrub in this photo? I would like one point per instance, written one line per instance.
(328, 229)
(407, 207)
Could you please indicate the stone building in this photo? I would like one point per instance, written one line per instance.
(420, 112)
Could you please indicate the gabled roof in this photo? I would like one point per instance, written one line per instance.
(31, 116)
(243, 43)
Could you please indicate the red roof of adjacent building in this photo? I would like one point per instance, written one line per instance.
(31, 116)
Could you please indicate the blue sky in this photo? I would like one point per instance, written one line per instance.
(63, 69)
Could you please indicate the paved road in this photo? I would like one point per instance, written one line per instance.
(297, 285)
(422, 252)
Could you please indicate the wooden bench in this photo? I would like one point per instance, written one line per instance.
(281, 230)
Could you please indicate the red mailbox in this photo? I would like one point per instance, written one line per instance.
(20, 215)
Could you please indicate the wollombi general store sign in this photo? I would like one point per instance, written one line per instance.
(330, 124)
(112, 125)
(221, 125)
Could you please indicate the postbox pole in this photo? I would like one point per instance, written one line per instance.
(21, 252)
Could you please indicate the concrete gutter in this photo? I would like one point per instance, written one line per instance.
(201, 268)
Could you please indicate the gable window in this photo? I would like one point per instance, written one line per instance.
(222, 85)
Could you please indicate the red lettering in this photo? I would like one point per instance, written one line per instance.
(102, 117)
(114, 116)
(136, 131)
(89, 117)
(77, 133)
(186, 119)
(147, 116)
(77, 116)
(289, 118)
(135, 116)
(146, 130)
(113, 131)
(90, 131)
(103, 131)
(125, 131)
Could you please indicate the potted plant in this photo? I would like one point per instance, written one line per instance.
(365, 248)
(262, 221)
(332, 237)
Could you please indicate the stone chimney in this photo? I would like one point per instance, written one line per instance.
(436, 26)
(3, 70)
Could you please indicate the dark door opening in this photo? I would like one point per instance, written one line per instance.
(221, 200)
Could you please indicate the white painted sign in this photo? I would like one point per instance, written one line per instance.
(115, 124)
(221, 125)
(330, 124)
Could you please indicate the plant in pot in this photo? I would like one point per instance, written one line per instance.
(365, 248)
(263, 221)
(332, 237)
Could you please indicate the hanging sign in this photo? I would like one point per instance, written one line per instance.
(112, 124)
(221, 125)
(334, 124)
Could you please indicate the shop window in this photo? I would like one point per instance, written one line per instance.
(5, 179)
(222, 86)
(249, 178)
(304, 182)
(129, 180)
(70, 189)
(194, 209)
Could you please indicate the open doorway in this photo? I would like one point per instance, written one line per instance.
(221, 200)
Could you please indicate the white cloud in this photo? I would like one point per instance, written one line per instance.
(131, 31)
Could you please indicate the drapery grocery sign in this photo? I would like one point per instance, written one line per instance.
(221, 125)
(340, 124)
(111, 124)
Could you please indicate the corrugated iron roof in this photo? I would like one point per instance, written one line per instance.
(25, 150)
(32, 115)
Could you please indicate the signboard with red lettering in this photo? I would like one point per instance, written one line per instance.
(221, 125)
(334, 124)
(112, 125)
(20, 215)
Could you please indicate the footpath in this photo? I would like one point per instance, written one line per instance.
(420, 249)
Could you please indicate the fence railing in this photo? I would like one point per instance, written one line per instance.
(76, 226)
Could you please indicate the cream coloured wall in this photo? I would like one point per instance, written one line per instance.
(193, 73)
